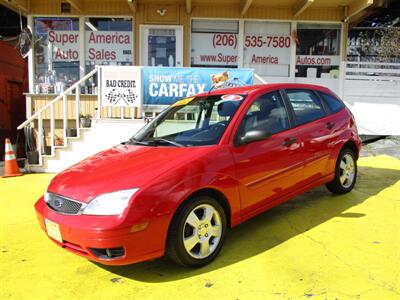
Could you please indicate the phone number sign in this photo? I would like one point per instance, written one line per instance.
(267, 43)
(214, 49)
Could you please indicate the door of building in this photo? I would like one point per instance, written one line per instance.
(161, 45)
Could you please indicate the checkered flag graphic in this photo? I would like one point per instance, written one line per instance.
(112, 97)
(128, 98)
(131, 97)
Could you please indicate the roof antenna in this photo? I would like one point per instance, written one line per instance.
(210, 90)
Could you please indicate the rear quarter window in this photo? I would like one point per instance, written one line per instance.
(332, 102)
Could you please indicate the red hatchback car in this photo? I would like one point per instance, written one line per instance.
(205, 164)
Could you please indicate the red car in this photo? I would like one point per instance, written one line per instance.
(204, 165)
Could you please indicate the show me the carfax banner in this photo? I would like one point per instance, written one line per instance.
(164, 85)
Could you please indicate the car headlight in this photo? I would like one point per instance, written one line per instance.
(109, 204)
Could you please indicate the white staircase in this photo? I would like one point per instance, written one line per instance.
(103, 133)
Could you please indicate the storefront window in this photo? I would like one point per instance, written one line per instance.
(214, 43)
(108, 41)
(56, 53)
(267, 48)
(317, 54)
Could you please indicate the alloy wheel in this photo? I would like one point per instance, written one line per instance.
(347, 170)
(202, 231)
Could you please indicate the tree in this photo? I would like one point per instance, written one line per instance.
(390, 43)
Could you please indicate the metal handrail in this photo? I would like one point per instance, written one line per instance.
(65, 93)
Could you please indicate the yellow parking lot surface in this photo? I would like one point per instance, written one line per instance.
(318, 246)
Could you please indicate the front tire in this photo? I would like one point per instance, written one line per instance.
(345, 173)
(197, 232)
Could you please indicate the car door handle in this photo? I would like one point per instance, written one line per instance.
(288, 142)
(330, 125)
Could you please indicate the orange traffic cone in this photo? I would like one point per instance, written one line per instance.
(10, 163)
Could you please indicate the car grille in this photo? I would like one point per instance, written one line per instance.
(62, 205)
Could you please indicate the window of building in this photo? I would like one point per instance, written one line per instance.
(108, 41)
(214, 43)
(318, 50)
(267, 48)
(56, 53)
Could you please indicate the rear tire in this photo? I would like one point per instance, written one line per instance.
(345, 173)
(197, 232)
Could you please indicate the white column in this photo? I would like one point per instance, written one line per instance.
(99, 79)
(240, 43)
(31, 62)
(292, 66)
(343, 57)
(82, 46)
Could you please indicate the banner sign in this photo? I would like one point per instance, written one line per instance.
(164, 86)
(121, 86)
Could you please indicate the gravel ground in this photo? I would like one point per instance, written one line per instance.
(388, 146)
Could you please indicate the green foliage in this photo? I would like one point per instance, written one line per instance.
(390, 43)
(85, 116)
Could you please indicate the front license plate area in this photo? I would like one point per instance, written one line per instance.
(53, 230)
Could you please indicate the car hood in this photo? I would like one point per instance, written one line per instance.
(121, 167)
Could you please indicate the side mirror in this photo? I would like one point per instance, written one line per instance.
(254, 136)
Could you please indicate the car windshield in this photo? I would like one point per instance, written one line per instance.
(189, 122)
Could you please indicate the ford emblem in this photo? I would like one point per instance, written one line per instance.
(58, 203)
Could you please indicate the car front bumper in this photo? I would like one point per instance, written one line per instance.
(91, 236)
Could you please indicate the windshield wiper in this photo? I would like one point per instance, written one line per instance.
(134, 141)
(158, 140)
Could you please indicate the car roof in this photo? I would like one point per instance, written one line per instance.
(244, 90)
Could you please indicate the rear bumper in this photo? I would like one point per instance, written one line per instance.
(137, 246)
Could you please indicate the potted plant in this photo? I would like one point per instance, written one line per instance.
(85, 120)
(33, 157)
(58, 141)
(47, 150)
(71, 132)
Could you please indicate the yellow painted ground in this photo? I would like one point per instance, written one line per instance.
(318, 246)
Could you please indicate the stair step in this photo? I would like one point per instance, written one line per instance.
(34, 165)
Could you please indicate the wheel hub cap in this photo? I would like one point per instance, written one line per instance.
(202, 231)
(347, 171)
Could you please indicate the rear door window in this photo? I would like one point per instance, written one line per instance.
(306, 105)
(332, 102)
